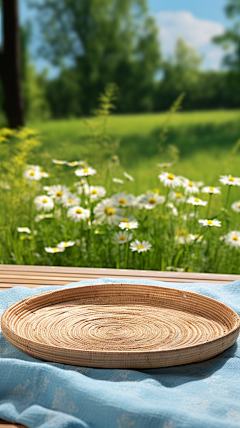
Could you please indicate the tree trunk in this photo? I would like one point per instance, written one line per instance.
(10, 69)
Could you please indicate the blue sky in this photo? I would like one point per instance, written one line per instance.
(195, 20)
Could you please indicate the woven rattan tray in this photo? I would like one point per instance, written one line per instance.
(121, 326)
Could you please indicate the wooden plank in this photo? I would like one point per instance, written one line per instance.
(4, 424)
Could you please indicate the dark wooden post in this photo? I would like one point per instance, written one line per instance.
(10, 68)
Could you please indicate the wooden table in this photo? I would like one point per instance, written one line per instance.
(36, 276)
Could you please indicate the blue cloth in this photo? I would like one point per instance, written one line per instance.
(44, 395)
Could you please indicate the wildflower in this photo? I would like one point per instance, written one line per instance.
(115, 159)
(54, 249)
(200, 183)
(118, 180)
(213, 222)
(70, 200)
(169, 180)
(236, 206)
(33, 173)
(85, 172)
(107, 210)
(228, 179)
(45, 174)
(150, 200)
(164, 165)
(59, 162)
(124, 200)
(42, 217)
(173, 208)
(232, 239)
(95, 192)
(140, 246)
(128, 176)
(130, 225)
(44, 202)
(190, 187)
(24, 229)
(78, 213)
(196, 201)
(211, 190)
(122, 237)
(127, 219)
(58, 192)
(65, 244)
(182, 237)
(177, 197)
(74, 163)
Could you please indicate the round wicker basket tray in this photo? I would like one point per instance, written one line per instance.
(121, 326)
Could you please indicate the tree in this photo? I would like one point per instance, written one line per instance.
(10, 69)
(101, 40)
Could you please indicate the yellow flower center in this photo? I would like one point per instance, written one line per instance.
(109, 211)
(114, 158)
(196, 200)
(94, 192)
(44, 200)
(122, 201)
(152, 201)
(55, 249)
(140, 247)
(32, 173)
(170, 176)
(125, 220)
(235, 238)
(211, 189)
(178, 195)
(231, 179)
(70, 201)
(65, 244)
(74, 163)
(78, 211)
(59, 193)
(238, 205)
(210, 222)
(190, 184)
(85, 170)
(122, 238)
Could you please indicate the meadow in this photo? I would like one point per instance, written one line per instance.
(200, 146)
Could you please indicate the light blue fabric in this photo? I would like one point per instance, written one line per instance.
(43, 395)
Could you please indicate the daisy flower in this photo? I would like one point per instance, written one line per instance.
(236, 206)
(70, 200)
(169, 180)
(118, 180)
(95, 192)
(107, 210)
(182, 237)
(127, 219)
(130, 225)
(190, 187)
(42, 217)
(196, 201)
(54, 249)
(164, 165)
(78, 213)
(122, 237)
(211, 190)
(173, 208)
(85, 172)
(33, 173)
(124, 200)
(140, 246)
(44, 174)
(65, 244)
(177, 197)
(213, 222)
(232, 239)
(128, 176)
(44, 202)
(24, 229)
(74, 163)
(228, 179)
(59, 162)
(150, 200)
(58, 192)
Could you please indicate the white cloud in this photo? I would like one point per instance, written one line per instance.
(197, 32)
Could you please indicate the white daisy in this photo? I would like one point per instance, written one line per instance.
(213, 222)
(177, 197)
(65, 244)
(33, 173)
(59, 162)
(150, 200)
(44, 202)
(164, 165)
(130, 225)
(200, 183)
(228, 179)
(173, 208)
(85, 172)
(211, 190)
(70, 200)
(40, 217)
(44, 174)
(54, 249)
(196, 201)
(75, 163)
(182, 237)
(95, 192)
(169, 180)
(233, 239)
(140, 246)
(78, 213)
(190, 187)
(236, 206)
(24, 229)
(124, 200)
(128, 176)
(122, 237)
(118, 180)
(127, 219)
(58, 192)
(107, 210)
